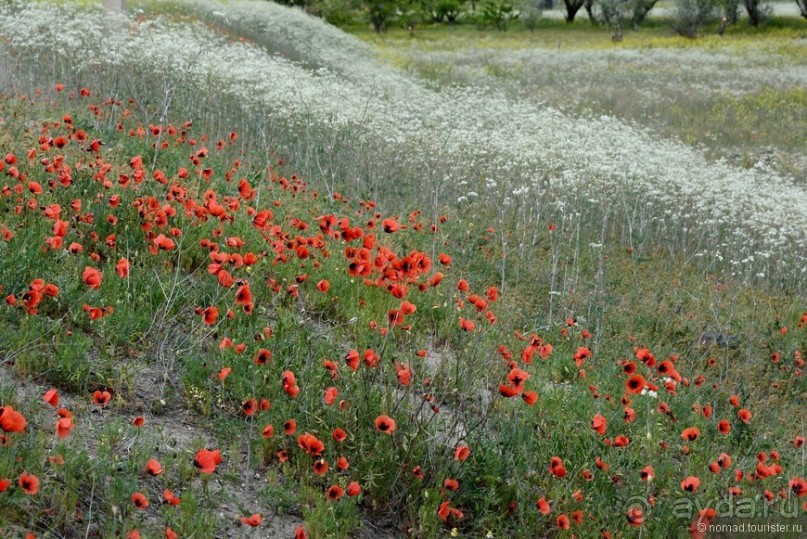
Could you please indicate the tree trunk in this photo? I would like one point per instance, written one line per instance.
(572, 7)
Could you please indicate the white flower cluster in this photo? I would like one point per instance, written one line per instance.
(305, 73)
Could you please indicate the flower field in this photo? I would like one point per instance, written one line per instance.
(259, 282)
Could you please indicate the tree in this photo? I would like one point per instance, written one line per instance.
(381, 13)
(757, 12)
(572, 7)
(691, 15)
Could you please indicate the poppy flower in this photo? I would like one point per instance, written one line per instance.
(691, 484)
(563, 522)
(461, 453)
(253, 520)
(63, 427)
(170, 498)
(798, 486)
(353, 489)
(543, 506)
(210, 315)
(311, 444)
(153, 467)
(4, 484)
(385, 424)
(330, 395)
(92, 277)
(323, 285)
(249, 407)
(268, 431)
(635, 516)
(170, 534)
(51, 397)
(599, 424)
(690, 434)
(299, 533)
(334, 492)
(139, 500)
(556, 467)
(530, 397)
(122, 268)
(352, 360)
(635, 384)
(138, 421)
(11, 420)
(647, 474)
(262, 356)
(467, 325)
(207, 460)
(321, 467)
(290, 427)
(29, 483)
(101, 398)
(744, 415)
(339, 435)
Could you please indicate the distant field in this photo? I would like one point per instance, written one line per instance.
(265, 278)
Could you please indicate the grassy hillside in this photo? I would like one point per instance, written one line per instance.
(262, 281)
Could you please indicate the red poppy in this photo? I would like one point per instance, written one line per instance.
(249, 407)
(798, 486)
(321, 467)
(451, 484)
(29, 483)
(647, 474)
(636, 516)
(290, 427)
(63, 427)
(101, 398)
(385, 424)
(335, 492)
(690, 434)
(635, 384)
(4, 484)
(11, 420)
(530, 397)
(207, 460)
(262, 356)
(691, 484)
(353, 489)
(253, 520)
(139, 500)
(599, 424)
(352, 360)
(563, 522)
(51, 397)
(556, 467)
(92, 277)
(310, 444)
(543, 506)
(153, 467)
(138, 421)
(170, 498)
(461, 453)
(339, 435)
(122, 268)
(744, 415)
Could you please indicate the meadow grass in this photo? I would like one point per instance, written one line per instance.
(277, 204)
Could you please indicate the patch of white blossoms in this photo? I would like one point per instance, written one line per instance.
(300, 70)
